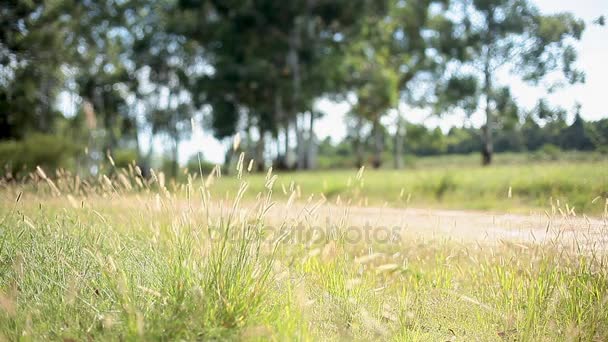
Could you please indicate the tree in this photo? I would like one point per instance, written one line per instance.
(33, 38)
(407, 45)
(502, 34)
(372, 80)
(576, 136)
(270, 59)
(421, 42)
(377, 94)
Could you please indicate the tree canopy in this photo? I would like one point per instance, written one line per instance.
(137, 69)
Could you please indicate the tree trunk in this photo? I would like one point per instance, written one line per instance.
(109, 141)
(301, 144)
(286, 146)
(359, 143)
(147, 161)
(279, 117)
(377, 160)
(398, 148)
(311, 150)
(259, 152)
(228, 159)
(175, 161)
(487, 149)
(140, 153)
(293, 60)
(44, 121)
(247, 146)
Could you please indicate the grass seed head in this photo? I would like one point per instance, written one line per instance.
(236, 142)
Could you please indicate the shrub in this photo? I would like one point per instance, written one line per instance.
(47, 151)
(603, 150)
(547, 152)
(205, 166)
(446, 184)
(124, 157)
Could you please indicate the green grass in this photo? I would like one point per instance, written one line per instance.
(533, 186)
(470, 160)
(101, 261)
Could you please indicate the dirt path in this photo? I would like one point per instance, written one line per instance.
(456, 225)
(461, 226)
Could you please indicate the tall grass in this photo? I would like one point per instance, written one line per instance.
(514, 188)
(126, 258)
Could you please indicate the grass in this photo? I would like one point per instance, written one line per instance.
(504, 187)
(122, 258)
(327, 162)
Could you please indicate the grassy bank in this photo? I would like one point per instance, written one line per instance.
(100, 262)
(517, 187)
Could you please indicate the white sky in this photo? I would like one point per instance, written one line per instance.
(593, 59)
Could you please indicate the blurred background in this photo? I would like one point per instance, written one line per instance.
(300, 84)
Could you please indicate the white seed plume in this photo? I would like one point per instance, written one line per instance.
(236, 141)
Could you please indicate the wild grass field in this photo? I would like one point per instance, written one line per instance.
(123, 258)
(514, 185)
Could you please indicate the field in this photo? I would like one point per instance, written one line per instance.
(515, 184)
(122, 258)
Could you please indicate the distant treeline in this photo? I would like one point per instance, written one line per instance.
(551, 138)
(529, 136)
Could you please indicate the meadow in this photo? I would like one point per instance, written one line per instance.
(124, 258)
(517, 183)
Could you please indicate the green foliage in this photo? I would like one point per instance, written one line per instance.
(508, 34)
(549, 151)
(458, 92)
(194, 167)
(270, 60)
(47, 151)
(33, 36)
(446, 184)
(514, 136)
(124, 157)
(155, 66)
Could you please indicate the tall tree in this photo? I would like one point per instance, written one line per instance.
(35, 43)
(270, 60)
(512, 35)
(376, 94)
(369, 77)
(421, 43)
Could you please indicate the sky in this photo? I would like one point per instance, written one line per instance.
(592, 59)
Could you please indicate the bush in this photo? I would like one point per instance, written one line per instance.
(124, 157)
(547, 152)
(205, 166)
(47, 151)
(603, 150)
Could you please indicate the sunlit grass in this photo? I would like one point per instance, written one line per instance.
(125, 258)
(537, 186)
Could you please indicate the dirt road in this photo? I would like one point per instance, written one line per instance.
(456, 225)
(460, 226)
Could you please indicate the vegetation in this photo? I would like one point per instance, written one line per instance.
(552, 140)
(517, 183)
(509, 34)
(105, 236)
(121, 75)
(100, 261)
(19, 158)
